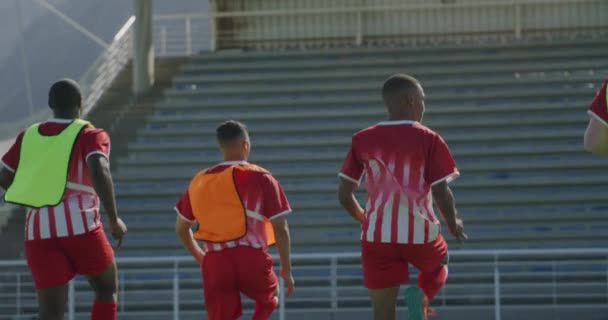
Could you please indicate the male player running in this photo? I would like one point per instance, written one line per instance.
(596, 135)
(60, 170)
(240, 209)
(404, 162)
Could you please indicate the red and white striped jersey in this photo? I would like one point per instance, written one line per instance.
(599, 106)
(263, 198)
(401, 161)
(78, 213)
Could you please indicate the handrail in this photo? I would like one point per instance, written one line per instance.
(536, 253)
(99, 77)
(174, 267)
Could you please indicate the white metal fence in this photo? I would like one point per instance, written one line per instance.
(182, 34)
(545, 277)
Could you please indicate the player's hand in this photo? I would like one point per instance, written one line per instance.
(199, 256)
(289, 282)
(457, 231)
(118, 229)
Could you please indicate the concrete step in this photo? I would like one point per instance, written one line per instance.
(524, 70)
(447, 59)
(481, 84)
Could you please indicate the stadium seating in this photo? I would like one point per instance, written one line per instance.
(512, 114)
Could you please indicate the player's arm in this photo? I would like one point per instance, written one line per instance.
(101, 177)
(276, 208)
(183, 229)
(6, 179)
(283, 242)
(348, 200)
(444, 199)
(349, 177)
(596, 137)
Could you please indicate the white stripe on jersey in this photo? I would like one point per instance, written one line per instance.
(30, 224)
(45, 227)
(90, 215)
(403, 220)
(61, 226)
(76, 215)
(418, 224)
(387, 220)
(373, 219)
(433, 231)
(230, 244)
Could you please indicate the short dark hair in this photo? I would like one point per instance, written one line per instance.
(65, 95)
(399, 86)
(230, 131)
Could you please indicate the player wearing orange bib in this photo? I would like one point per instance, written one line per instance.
(240, 210)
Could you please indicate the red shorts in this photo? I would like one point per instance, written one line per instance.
(386, 265)
(54, 262)
(230, 272)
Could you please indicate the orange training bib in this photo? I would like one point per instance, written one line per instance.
(218, 207)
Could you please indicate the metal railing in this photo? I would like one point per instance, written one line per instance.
(99, 77)
(182, 34)
(509, 274)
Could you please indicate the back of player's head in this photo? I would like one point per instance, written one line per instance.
(231, 132)
(65, 96)
(400, 89)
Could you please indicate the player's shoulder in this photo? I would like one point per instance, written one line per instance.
(424, 129)
(371, 130)
(90, 131)
(257, 173)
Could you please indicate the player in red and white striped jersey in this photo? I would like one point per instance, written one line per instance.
(596, 135)
(68, 239)
(406, 164)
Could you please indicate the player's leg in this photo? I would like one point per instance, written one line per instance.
(384, 302)
(222, 297)
(257, 280)
(51, 272)
(431, 260)
(52, 302)
(383, 273)
(105, 285)
(92, 256)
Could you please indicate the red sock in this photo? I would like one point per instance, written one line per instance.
(104, 311)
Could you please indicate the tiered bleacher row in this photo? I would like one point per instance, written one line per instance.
(513, 115)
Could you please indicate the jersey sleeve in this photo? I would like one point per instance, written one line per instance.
(95, 141)
(10, 160)
(183, 208)
(275, 203)
(352, 167)
(599, 108)
(440, 165)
